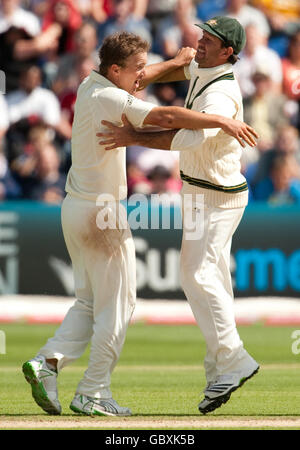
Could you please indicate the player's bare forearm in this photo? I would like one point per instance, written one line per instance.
(175, 117)
(178, 117)
(123, 136)
(156, 139)
(126, 135)
(168, 71)
(164, 74)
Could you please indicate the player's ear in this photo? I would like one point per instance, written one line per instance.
(113, 73)
(115, 69)
(228, 51)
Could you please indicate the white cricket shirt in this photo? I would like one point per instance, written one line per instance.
(210, 155)
(94, 170)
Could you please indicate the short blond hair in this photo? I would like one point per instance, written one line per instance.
(118, 47)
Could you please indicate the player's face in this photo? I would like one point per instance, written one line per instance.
(134, 71)
(210, 51)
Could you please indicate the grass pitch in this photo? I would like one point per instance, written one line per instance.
(160, 377)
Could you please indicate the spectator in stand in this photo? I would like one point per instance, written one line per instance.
(65, 14)
(177, 31)
(291, 69)
(9, 188)
(158, 13)
(291, 75)
(159, 9)
(4, 122)
(159, 177)
(137, 182)
(140, 8)
(165, 94)
(282, 186)
(283, 17)
(247, 15)
(97, 10)
(29, 105)
(12, 14)
(257, 54)
(101, 10)
(286, 143)
(162, 183)
(45, 183)
(38, 7)
(123, 19)
(206, 9)
(71, 65)
(39, 137)
(147, 159)
(21, 42)
(265, 109)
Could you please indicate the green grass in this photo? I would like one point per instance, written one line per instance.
(160, 374)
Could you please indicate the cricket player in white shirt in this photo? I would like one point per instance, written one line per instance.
(103, 258)
(210, 170)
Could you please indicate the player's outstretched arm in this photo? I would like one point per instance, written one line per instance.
(176, 117)
(126, 135)
(168, 71)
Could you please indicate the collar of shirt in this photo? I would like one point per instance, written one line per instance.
(209, 73)
(101, 79)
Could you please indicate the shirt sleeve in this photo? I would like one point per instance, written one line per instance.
(216, 103)
(187, 72)
(190, 69)
(137, 110)
(187, 140)
(113, 102)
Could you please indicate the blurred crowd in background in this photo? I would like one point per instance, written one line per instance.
(47, 47)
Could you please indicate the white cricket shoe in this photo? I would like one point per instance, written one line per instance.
(97, 407)
(43, 384)
(219, 391)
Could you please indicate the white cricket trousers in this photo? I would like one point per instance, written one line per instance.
(104, 273)
(206, 281)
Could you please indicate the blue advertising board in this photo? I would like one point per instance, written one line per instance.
(265, 259)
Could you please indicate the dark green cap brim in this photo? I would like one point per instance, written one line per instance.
(210, 30)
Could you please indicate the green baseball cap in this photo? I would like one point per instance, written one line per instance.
(229, 30)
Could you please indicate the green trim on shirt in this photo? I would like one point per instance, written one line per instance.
(226, 76)
(208, 185)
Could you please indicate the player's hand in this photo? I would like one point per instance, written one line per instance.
(117, 136)
(184, 56)
(241, 131)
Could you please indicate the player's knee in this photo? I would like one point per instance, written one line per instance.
(188, 275)
(195, 276)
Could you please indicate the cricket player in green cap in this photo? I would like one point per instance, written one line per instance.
(211, 173)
